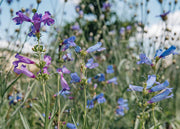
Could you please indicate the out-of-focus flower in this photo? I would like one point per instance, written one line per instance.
(122, 106)
(110, 69)
(100, 77)
(90, 104)
(75, 78)
(113, 80)
(81, 13)
(68, 57)
(64, 84)
(161, 96)
(144, 59)
(106, 6)
(122, 31)
(90, 64)
(69, 43)
(15, 97)
(96, 47)
(63, 70)
(63, 92)
(77, 49)
(9, 1)
(71, 126)
(75, 27)
(47, 59)
(164, 15)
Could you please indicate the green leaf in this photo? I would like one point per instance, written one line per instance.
(24, 121)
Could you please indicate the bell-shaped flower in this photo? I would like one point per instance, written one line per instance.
(144, 59)
(159, 87)
(161, 96)
(22, 59)
(25, 71)
(75, 78)
(113, 80)
(110, 69)
(90, 64)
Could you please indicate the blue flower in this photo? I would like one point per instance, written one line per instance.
(68, 57)
(91, 65)
(167, 52)
(159, 87)
(90, 104)
(96, 47)
(71, 126)
(77, 49)
(63, 92)
(161, 96)
(100, 77)
(113, 80)
(69, 42)
(75, 78)
(144, 59)
(110, 69)
(122, 106)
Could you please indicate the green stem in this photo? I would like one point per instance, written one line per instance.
(85, 102)
(44, 91)
(59, 104)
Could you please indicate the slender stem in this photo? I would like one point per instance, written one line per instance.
(85, 102)
(44, 91)
(59, 104)
(153, 115)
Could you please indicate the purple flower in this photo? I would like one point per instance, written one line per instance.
(22, 60)
(110, 69)
(128, 28)
(63, 70)
(91, 65)
(64, 84)
(75, 27)
(135, 88)
(144, 59)
(63, 92)
(47, 59)
(159, 87)
(21, 18)
(151, 80)
(81, 13)
(168, 52)
(164, 14)
(68, 57)
(99, 98)
(106, 6)
(94, 48)
(78, 49)
(75, 78)
(90, 104)
(69, 43)
(37, 19)
(71, 126)
(122, 105)
(122, 30)
(113, 80)
(161, 96)
(100, 77)
(89, 80)
(24, 70)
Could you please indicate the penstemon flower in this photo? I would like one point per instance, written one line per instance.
(90, 64)
(110, 69)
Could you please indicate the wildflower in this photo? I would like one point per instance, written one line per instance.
(96, 47)
(22, 60)
(64, 84)
(113, 80)
(24, 70)
(47, 59)
(77, 49)
(62, 92)
(15, 97)
(122, 31)
(122, 106)
(37, 19)
(91, 65)
(75, 27)
(100, 98)
(159, 87)
(100, 77)
(89, 80)
(81, 13)
(75, 78)
(68, 57)
(110, 69)
(144, 59)
(63, 70)
(164, 15)
(90, 104)
(128, 28)
(69, 43)
(167, 52)
(161, 96)
(106, 6)
(71, 126)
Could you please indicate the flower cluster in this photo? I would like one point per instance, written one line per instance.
(123, 105)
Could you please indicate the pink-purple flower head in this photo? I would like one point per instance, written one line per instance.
(90, 64)
(37, 19)
(161, 96)
(110, 69)
(161, 54)
(144, 59)
(96, 47)
(75, 78)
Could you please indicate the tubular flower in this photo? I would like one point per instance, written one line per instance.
(144, 59)
(47, 59)
(69, 43)
(63, 70)
(64, 84)
(113, 80)
(71, 126)
(22, 60)
(100, 77)
(122, 106)
(96, 47)
(110, 69)
(25, 71)
(159, 87)
(91, 65)
(161, 96)
(167, 52)
(37, 19)
(63, 92)
(67, 57)
(75, 78)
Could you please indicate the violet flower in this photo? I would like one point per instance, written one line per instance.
(159, 87)
(21, 18)
(75, 78)
(67, 57)
(100, 77)
(113, 80)
(110, 69)
(22, 59)
(69, 43)
(90, 104)
(144, 59)
(161, 96)
(24, 70)
(122, 106)
(90, 64)
(63, 70)
(71, 126)
(96, 47)
(64, 84)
